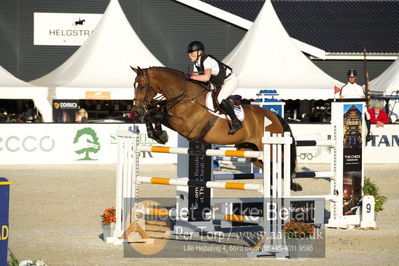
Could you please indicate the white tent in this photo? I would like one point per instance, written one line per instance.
(387, 82)
(14, 88)
(267, 58)
(100, 68)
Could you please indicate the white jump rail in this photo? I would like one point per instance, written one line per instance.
(188, 151)
(208, 184)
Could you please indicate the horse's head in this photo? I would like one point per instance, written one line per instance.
(144, 93)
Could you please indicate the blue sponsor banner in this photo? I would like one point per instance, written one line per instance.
(4, 231)
(275, 108)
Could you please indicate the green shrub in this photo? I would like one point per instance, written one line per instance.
(370, 188)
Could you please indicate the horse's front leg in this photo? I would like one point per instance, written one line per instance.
(162, 135)
(150, 130)
(157, 134)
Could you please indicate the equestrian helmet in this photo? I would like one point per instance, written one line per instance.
(351, 73)
(195, 46)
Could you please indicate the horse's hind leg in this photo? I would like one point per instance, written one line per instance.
(258, 163)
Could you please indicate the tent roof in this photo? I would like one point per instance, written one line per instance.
(102, 62)
(13, 88)
(388, 81)
(267, 58)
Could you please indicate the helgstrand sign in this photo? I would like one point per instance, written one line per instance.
(63, 28)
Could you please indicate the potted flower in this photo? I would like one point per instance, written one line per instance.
(298, 237)
(108, 220)
(298, 230)
(370, 188)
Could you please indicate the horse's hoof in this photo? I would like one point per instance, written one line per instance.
(163, 137)
(296, 187)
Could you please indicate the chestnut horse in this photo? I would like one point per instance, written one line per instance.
(182, 108)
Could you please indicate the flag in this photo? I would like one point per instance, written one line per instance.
(336, 89)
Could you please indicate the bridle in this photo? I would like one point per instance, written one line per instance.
(153, 105)
(147, 88)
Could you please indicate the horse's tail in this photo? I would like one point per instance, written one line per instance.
(286, 127)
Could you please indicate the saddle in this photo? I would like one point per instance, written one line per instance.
(235, 100)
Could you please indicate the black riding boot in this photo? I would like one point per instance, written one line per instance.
(236, 124)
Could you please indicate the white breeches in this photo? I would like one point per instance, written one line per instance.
(229, 85)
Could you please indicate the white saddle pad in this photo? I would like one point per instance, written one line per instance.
(238, 110)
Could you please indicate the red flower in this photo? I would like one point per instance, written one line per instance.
(297, 229)
(108, 216)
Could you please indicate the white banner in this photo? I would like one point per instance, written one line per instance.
(63, 28)
(96, 144)
(383, 148)
(72, 144)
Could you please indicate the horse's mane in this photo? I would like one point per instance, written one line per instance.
(179, 74)
(167, 69)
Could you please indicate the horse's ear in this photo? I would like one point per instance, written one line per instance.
(137, 70)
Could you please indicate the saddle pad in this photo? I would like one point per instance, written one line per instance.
(238, 110)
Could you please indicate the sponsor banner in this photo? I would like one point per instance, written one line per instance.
(199, 169)
(275, 107)
(72, 144)
(64, 111)
(312, 154)
(44, 143)
(352, 160)
(98, 95)
(4, 225)
(383, 148)
(71, 29)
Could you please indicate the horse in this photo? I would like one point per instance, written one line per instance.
(182, 108)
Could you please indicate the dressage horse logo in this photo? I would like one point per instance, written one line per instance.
(87, 141)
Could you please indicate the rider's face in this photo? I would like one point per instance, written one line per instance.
(352, 80)
(193, 56)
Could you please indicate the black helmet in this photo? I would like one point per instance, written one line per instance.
(351, 73)
(195, 46)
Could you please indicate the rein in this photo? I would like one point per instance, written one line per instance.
(178, 99)
(163, 105)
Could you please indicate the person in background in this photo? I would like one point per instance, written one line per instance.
(82, 116)
(378, 116)
(29, 113)
(351, 89)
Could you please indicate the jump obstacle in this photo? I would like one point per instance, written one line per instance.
(128, 179)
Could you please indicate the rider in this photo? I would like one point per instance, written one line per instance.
(210, 69)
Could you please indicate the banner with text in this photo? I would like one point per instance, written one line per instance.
(383, 147)
(63, 28)
(72, 144)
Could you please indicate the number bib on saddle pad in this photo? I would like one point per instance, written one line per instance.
(238, 110)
